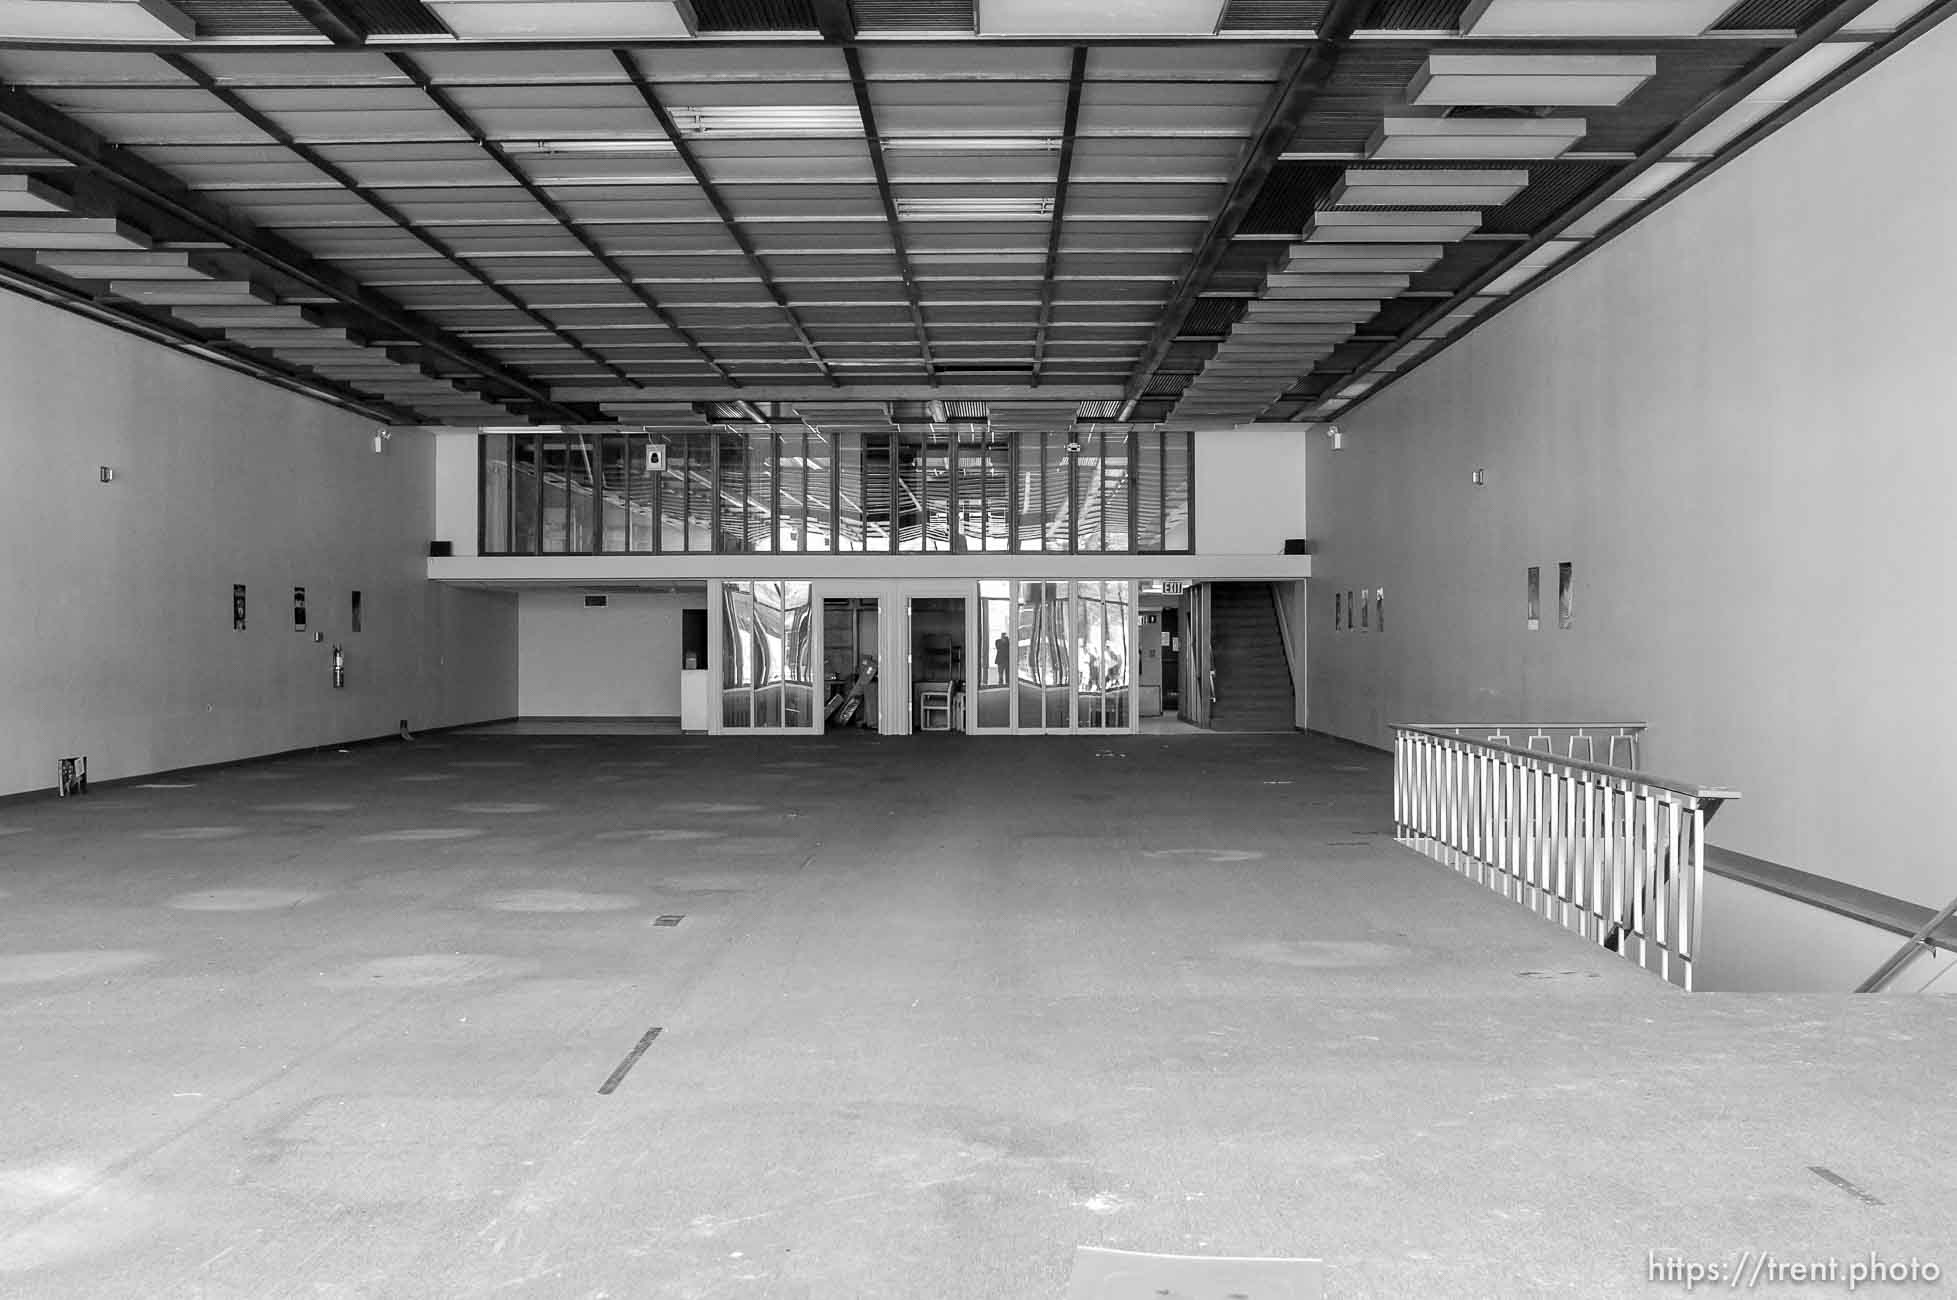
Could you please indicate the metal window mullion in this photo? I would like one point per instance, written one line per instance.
(772, 459)
(537, 464)
(482, 496)
(1157, 440)
(713, 499)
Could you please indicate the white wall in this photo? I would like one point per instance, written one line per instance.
(115, 599)
(1739, 421)
(1250, 489)
(457, 469)
(621, 660)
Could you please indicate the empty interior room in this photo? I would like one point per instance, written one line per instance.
(741, 648)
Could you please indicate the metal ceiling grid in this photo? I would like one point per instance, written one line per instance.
(787, 210)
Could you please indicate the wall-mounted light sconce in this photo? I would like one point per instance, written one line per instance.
(381, 438)
(1338, 439)
(108, 475)
(1481, 477)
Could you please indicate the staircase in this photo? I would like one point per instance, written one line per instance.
(1253, 681)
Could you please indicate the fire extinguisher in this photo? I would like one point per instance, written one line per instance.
(339, 667)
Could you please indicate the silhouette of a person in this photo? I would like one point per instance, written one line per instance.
(1002, 655)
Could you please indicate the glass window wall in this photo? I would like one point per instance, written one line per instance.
(767, 657)
(796, 489)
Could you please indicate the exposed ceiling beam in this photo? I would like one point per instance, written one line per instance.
(454, 112)
(1305, 73)
(230, 98)
(171, 334)
(718, 202)
(1076, 80)
(1714, 105)
(861, 86)
(125, 172)
(951, 392)
(333, 20)
(836, 21)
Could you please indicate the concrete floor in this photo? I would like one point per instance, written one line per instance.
(939, 1010)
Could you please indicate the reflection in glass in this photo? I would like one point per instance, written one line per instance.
(700, 497)
(1149, 491)
(1104, 609)
(849, 492)
(738, 668)
(1178, 455)
(878, 492)
(982, 518)
(794, 488)
(1086, 476)
(767, 655)
(496, 493)
(525, 497)
(995, 660)
(614, 482)
(1042, 656)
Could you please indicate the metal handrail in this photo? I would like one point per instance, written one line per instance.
(1627, 774)
(1612, 853)
(1913, 947)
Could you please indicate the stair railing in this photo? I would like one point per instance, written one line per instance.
(1613, 854)
(1284, 634)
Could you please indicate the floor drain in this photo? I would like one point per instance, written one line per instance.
(668, 920)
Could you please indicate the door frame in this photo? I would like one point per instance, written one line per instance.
(909, 590)
(885, 595)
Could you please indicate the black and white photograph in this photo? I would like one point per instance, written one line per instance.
(845, 744)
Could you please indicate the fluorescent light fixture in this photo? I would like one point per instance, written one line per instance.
(1102, 18)
(1537, 260)
(623, 148)
(1653, 179)
(1800, 75)
(1591, 17)
(736, 121)
(971, 144)
(1885, 15)
(564, 20)
(1725, 128)
(94, 20)
(1490, 139)
(1530, 80)
(953, 209)
(1790, 83)
(1437, 188)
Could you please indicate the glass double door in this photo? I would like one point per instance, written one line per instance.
(1056, 657)
(766, 643)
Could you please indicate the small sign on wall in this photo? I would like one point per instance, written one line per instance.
(298, 609)
(655, 458)
(237, 607)
(1535, 597)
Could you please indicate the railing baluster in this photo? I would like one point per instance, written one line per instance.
(1601, 850)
